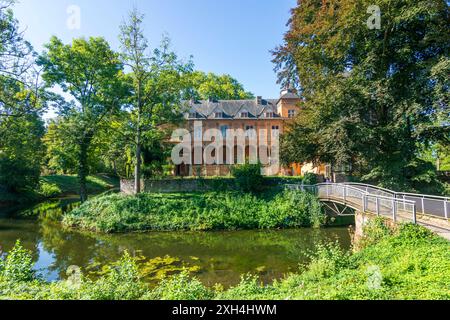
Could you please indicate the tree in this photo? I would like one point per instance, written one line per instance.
(61, 152)
(92, 74)
(22, 100)
(18, 73)
(371, 97)
(158, 82)
(222, 87)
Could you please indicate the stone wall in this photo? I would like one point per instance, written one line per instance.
(178, 185)
(198, 185)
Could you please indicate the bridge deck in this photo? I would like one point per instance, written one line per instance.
(433, 211)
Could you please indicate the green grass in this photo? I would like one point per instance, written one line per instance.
(68, 184)
(58, 185)
(197, 212)
(408, 263)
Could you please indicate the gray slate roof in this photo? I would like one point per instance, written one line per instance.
(231, 109)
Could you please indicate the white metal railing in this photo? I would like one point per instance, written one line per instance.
(427, 205)
(399, 209)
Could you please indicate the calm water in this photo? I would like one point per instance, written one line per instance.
(214, 257)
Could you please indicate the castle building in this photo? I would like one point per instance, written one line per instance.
(262, 116)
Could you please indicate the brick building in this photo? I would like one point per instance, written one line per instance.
(254, 114)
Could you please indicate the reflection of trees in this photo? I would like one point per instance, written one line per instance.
(23, 230)
(220, 255)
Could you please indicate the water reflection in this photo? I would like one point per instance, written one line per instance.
(219, 257)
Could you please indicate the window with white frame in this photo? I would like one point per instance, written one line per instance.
(250, 131)
(193, 115)
(218, 115)
(269, 114)
(291, 113)
(244, 114)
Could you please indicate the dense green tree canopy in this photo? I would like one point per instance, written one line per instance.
(221, 87)
(371, 97)
(22, 100)
(91, 73)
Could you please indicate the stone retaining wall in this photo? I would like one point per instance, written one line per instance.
(178, 185)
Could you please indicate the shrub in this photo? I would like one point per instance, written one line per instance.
(411, 234)
(248, 177)
(374, 231)
(49, 190)
(18, 265)
(250, 287)
(122, 282)
(327, 260)
(310, 179)
(180, 287)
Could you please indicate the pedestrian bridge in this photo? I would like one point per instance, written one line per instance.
(430, 211)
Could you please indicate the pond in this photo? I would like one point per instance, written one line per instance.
(214, 257)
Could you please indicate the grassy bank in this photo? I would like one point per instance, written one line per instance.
(196, 212)
(58, 185)
(409, 263)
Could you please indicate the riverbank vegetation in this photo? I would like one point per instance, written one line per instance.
(197, 211)
(407, 263)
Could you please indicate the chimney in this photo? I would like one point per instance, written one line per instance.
(258, 100)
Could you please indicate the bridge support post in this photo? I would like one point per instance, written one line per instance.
(394, 211)
(446, 209)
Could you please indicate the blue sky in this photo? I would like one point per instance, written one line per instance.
(224, 36)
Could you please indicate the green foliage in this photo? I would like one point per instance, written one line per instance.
(374, 232)
(327, 260)
(211, 86)
(18, 265)
(48, 190)
(250, 287)
(371, 97)
(248, 177)
(180, 287)
(206, 211)
(120, 283)
(21, 152)
(310, 179)
(91, 73)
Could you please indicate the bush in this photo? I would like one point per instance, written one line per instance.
(122, 282)
(310, 179)
(250, 287)
(49, 190)
(374, 231)
(180, 287)
(327, 260)
(248, 177)
(18, 265)
(18, 175)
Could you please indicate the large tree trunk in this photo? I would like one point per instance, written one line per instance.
(137, 169)
(83, 169)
